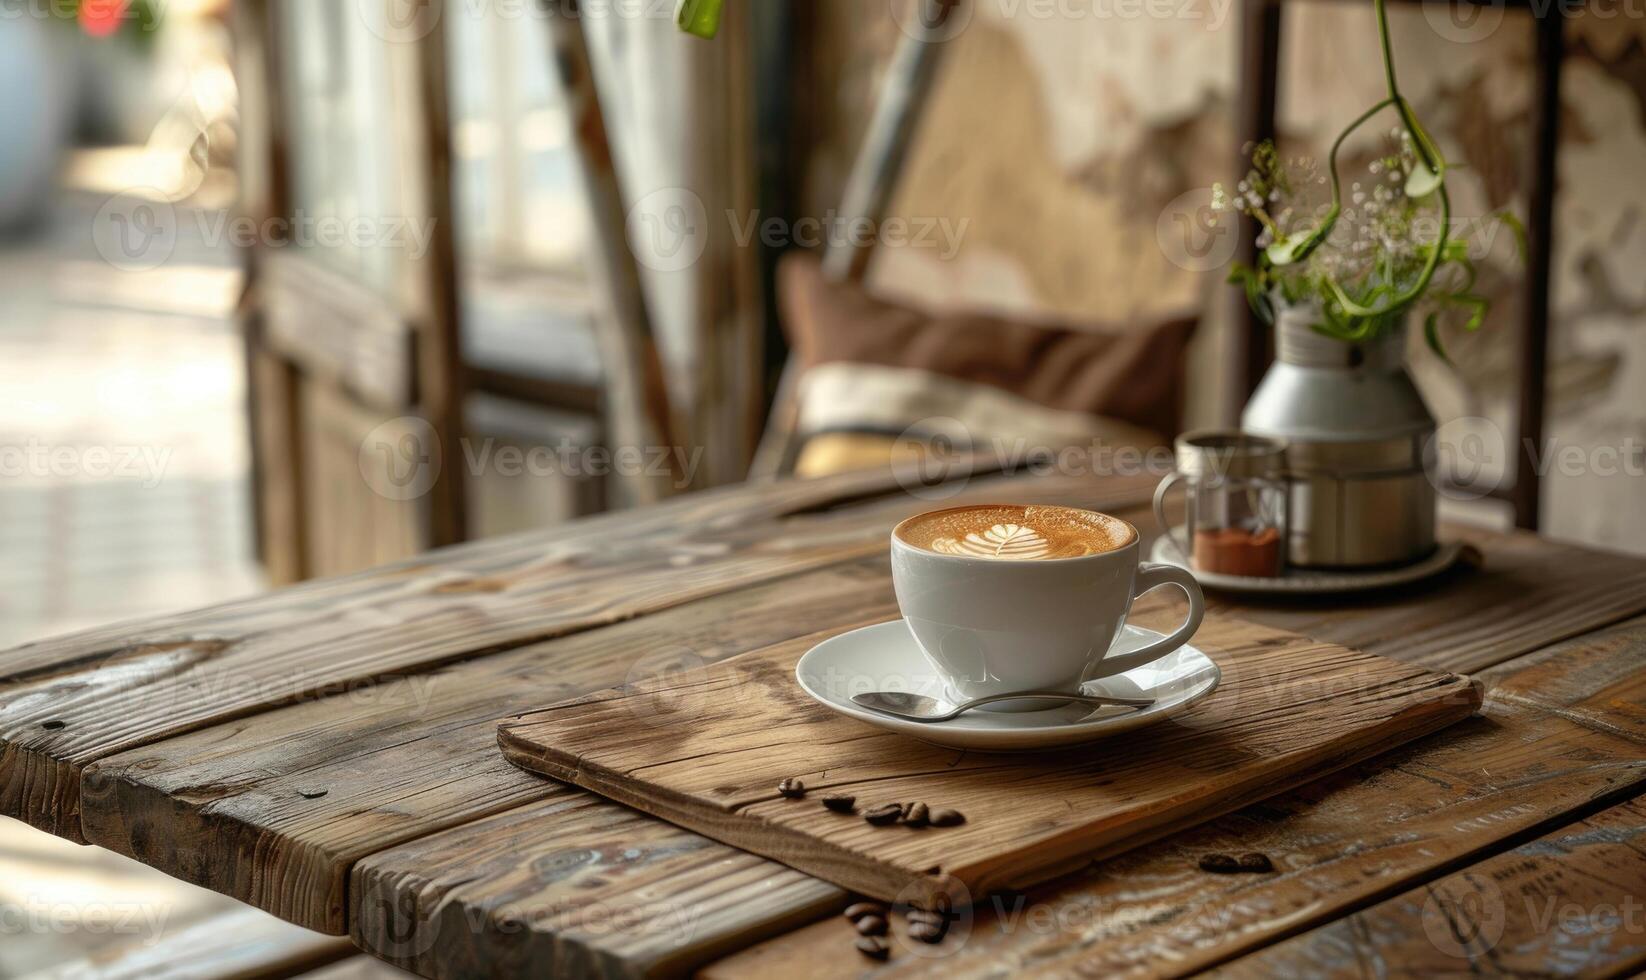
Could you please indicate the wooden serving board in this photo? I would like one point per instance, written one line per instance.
(706, 748)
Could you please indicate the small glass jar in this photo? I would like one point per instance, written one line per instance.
(1237, 500)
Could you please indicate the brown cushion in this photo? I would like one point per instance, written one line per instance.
(1133, 373)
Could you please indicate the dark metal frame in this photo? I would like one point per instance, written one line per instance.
(1259, 86)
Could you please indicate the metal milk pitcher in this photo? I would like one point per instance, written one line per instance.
(1361, 453)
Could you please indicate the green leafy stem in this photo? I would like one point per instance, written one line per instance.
(1382, 299)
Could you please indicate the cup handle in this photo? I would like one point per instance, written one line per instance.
(1160, 492)
(1150, 577)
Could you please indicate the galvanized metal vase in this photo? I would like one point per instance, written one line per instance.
(1361, 447)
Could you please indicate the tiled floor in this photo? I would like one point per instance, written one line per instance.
(123, 460)
(123, 493)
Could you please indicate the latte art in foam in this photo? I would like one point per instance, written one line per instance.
(1000, 541)
(1004, 532)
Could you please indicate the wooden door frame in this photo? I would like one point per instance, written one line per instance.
(283, 516)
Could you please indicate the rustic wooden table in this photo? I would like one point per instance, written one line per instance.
(328, 753)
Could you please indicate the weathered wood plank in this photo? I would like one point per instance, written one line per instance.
(335, 829)
(1359, 836)
(337, 328)
(274, 809)
(1288, 708)
(629, 532)
(1599, 680)
(1567, 904)
(113, 690)
(573, 886)
(1529, 593)
(672, 529)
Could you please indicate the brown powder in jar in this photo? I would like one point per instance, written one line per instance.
(1237, 551)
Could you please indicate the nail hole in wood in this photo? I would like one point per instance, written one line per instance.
(54, 725)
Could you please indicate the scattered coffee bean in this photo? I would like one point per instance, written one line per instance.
(840, 803)
(926, 932)
(917, 815)
(871, 925)
(1256, 862)
(883, 814)
(858, 910)
(945, 817)
(935, 904)
(1219, 864)
(925, 916)
(792, 788)
(873, 948)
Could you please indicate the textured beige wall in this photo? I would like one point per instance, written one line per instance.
(1060, 134)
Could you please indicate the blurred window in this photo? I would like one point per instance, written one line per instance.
(342, 163)
(516, 191)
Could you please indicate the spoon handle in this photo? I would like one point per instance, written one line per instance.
(1057, 695)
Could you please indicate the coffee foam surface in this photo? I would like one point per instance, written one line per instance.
(1007, 532)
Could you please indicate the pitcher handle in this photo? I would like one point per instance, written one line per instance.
(1160, 492)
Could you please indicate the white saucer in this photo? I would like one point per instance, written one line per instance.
(1308, 581)
(887, 658)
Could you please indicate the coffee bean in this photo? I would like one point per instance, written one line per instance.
(935, 904)
(944, 817)
(840, 803)
(858, 910)
(1256, 862)
(926, 932)
(883, 814)
(873, 948)
(1219, 864)
(871, 925)
(925, 916)
(916, 815)
(792, 788)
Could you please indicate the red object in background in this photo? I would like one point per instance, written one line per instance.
(100, 18)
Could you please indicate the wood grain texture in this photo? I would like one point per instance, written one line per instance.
(272, 844)
(573, 886)
(1288, 708)
(1599, 680)
(73, 701)
(441, 886)
(275, 808)
(1339, 842)
(1571, 903)
(1528, 594)
(1356, 837)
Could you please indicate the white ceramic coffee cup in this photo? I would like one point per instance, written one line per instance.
(994, 627)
